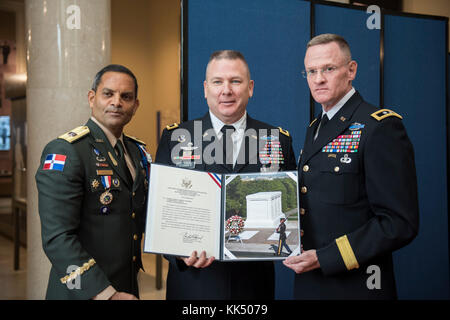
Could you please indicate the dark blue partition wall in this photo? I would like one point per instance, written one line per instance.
(364, 44)
(415, 86)
(273, 39)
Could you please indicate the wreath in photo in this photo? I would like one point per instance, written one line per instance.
(235, 225)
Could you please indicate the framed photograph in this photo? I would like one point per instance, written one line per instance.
(261, 216)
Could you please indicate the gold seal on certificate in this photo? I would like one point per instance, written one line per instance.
(237, 217)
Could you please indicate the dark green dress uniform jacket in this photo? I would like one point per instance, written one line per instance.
(221, 280)
(77, 229)
(358, 202)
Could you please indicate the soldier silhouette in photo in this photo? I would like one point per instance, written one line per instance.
(281, 229)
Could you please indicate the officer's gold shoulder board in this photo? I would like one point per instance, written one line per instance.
(312, 122)
(75, 134)
(384, 113)
(285, 132)
(171, 127)
(136, 139)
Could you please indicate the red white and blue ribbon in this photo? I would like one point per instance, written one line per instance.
(106, 181)
(216, 179)
(54, 162)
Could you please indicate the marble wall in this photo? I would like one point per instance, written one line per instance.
(66, 45)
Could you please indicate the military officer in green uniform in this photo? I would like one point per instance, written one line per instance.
(92, 184)
(358, 185)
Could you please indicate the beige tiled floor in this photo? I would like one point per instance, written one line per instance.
(13, 283)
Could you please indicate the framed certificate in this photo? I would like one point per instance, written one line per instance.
(233, 217)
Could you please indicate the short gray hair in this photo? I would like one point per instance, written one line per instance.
(328, 38)
(229, 55)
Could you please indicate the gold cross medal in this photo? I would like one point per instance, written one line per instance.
(106, 197)
(95, 184)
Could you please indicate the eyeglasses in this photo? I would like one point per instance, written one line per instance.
(325, 71)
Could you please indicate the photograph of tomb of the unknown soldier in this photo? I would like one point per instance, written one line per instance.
(261, 216)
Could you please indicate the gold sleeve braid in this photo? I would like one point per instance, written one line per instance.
(347, 253)
(78, 272)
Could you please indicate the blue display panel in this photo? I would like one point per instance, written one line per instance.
(272, 35)
(364, 45)
(414, 86)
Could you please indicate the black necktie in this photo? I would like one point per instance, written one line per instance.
(322, 124)
(227, 144)
(120, 150)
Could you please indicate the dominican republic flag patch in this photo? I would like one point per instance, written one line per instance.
(54, 162)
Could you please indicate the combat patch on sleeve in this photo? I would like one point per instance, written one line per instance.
(171, 127)
(135, 139)
(384, 113)
(75, 134)
(285, 132)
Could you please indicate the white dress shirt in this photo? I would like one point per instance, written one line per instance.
(330, 114)
(237, 136)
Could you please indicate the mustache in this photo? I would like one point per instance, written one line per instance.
(112, 108)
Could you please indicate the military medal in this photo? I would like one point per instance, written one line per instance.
(104, 210)
(95, 184)
(98, 156)
(106, 198)
(346, 159)
(106, 181)
(116, 182)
